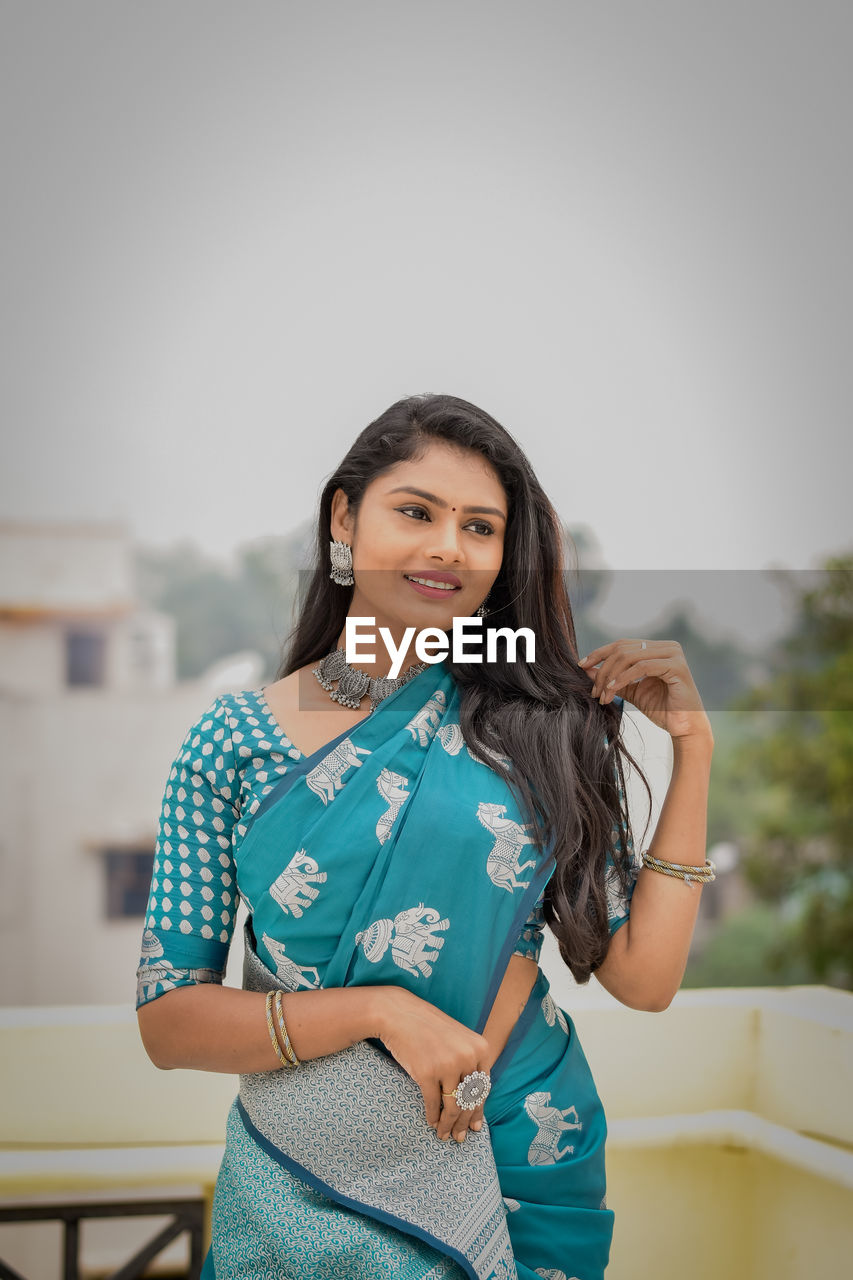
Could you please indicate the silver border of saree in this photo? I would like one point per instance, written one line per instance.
(352, 1125)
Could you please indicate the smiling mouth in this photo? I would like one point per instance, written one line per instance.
(431, 582)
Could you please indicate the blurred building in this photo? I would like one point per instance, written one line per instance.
(91, 716)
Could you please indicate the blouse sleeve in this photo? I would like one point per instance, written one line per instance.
(530, 939)
(192, 904)
(618, 902)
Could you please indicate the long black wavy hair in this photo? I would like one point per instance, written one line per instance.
(567, 760)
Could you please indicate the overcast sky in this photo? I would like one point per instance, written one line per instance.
(234, 233)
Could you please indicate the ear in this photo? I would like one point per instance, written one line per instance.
(341, 518)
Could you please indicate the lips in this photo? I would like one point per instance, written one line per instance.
(436, 583)
(436, 580)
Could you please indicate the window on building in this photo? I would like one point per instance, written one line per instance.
(128, 875)
(85, 657)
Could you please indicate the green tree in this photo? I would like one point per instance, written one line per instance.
(219, 611)
(798, 850)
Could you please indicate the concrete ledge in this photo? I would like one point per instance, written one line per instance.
(71, 1169)
(742, 1129)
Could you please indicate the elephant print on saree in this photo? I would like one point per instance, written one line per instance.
(410, 935)
(294, 889)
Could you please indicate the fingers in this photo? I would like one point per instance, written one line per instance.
(607, 683)
(611, 667)
(464, 1120)
(454, 1121)
(476, 1121)
(443, 1113)
(433, 1100)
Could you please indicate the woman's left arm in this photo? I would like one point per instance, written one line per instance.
(647, 957)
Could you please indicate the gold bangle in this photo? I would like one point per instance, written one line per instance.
(686, 871)
(286, 1040)
(287, 1045)
(695, 873)
(680, 875)
(284, 1062)
(690, 867)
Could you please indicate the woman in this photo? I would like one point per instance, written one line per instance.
(415, 1104)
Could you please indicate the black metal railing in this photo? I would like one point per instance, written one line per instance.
(187, 1218)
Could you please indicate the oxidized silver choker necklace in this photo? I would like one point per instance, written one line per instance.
(353, 684)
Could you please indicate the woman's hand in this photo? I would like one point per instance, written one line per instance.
(656, 680)
(437, 1052)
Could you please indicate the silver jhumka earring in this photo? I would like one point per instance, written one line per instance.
(341, 555)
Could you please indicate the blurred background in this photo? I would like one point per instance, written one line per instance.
(234, 234)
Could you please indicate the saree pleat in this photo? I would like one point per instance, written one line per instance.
(271, 1224)
(352, 1125)
(396, 856)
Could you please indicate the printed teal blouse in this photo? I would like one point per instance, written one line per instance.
(229, 760)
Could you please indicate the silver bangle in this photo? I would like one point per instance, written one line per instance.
(686, 871)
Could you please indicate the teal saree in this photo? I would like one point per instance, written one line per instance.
(410, 851)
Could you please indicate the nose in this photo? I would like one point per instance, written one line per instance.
(443, 541)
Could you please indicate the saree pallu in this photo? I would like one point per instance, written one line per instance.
(414, 852)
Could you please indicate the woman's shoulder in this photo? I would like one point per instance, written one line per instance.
(235, 705)
(236, 747)
(252, 725)
(239, 724)
(216, 719)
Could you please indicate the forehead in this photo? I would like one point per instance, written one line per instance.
(450, 471)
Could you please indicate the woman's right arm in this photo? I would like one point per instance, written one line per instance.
(197, 1023)
(186, 1017)
(209, 1027)
(213, 1028)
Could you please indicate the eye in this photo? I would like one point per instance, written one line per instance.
(484, 529)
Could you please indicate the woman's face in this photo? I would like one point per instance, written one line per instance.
(441, 517)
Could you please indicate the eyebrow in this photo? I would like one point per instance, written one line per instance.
(439, 502)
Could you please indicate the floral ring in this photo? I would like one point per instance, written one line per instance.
(471, 1091)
